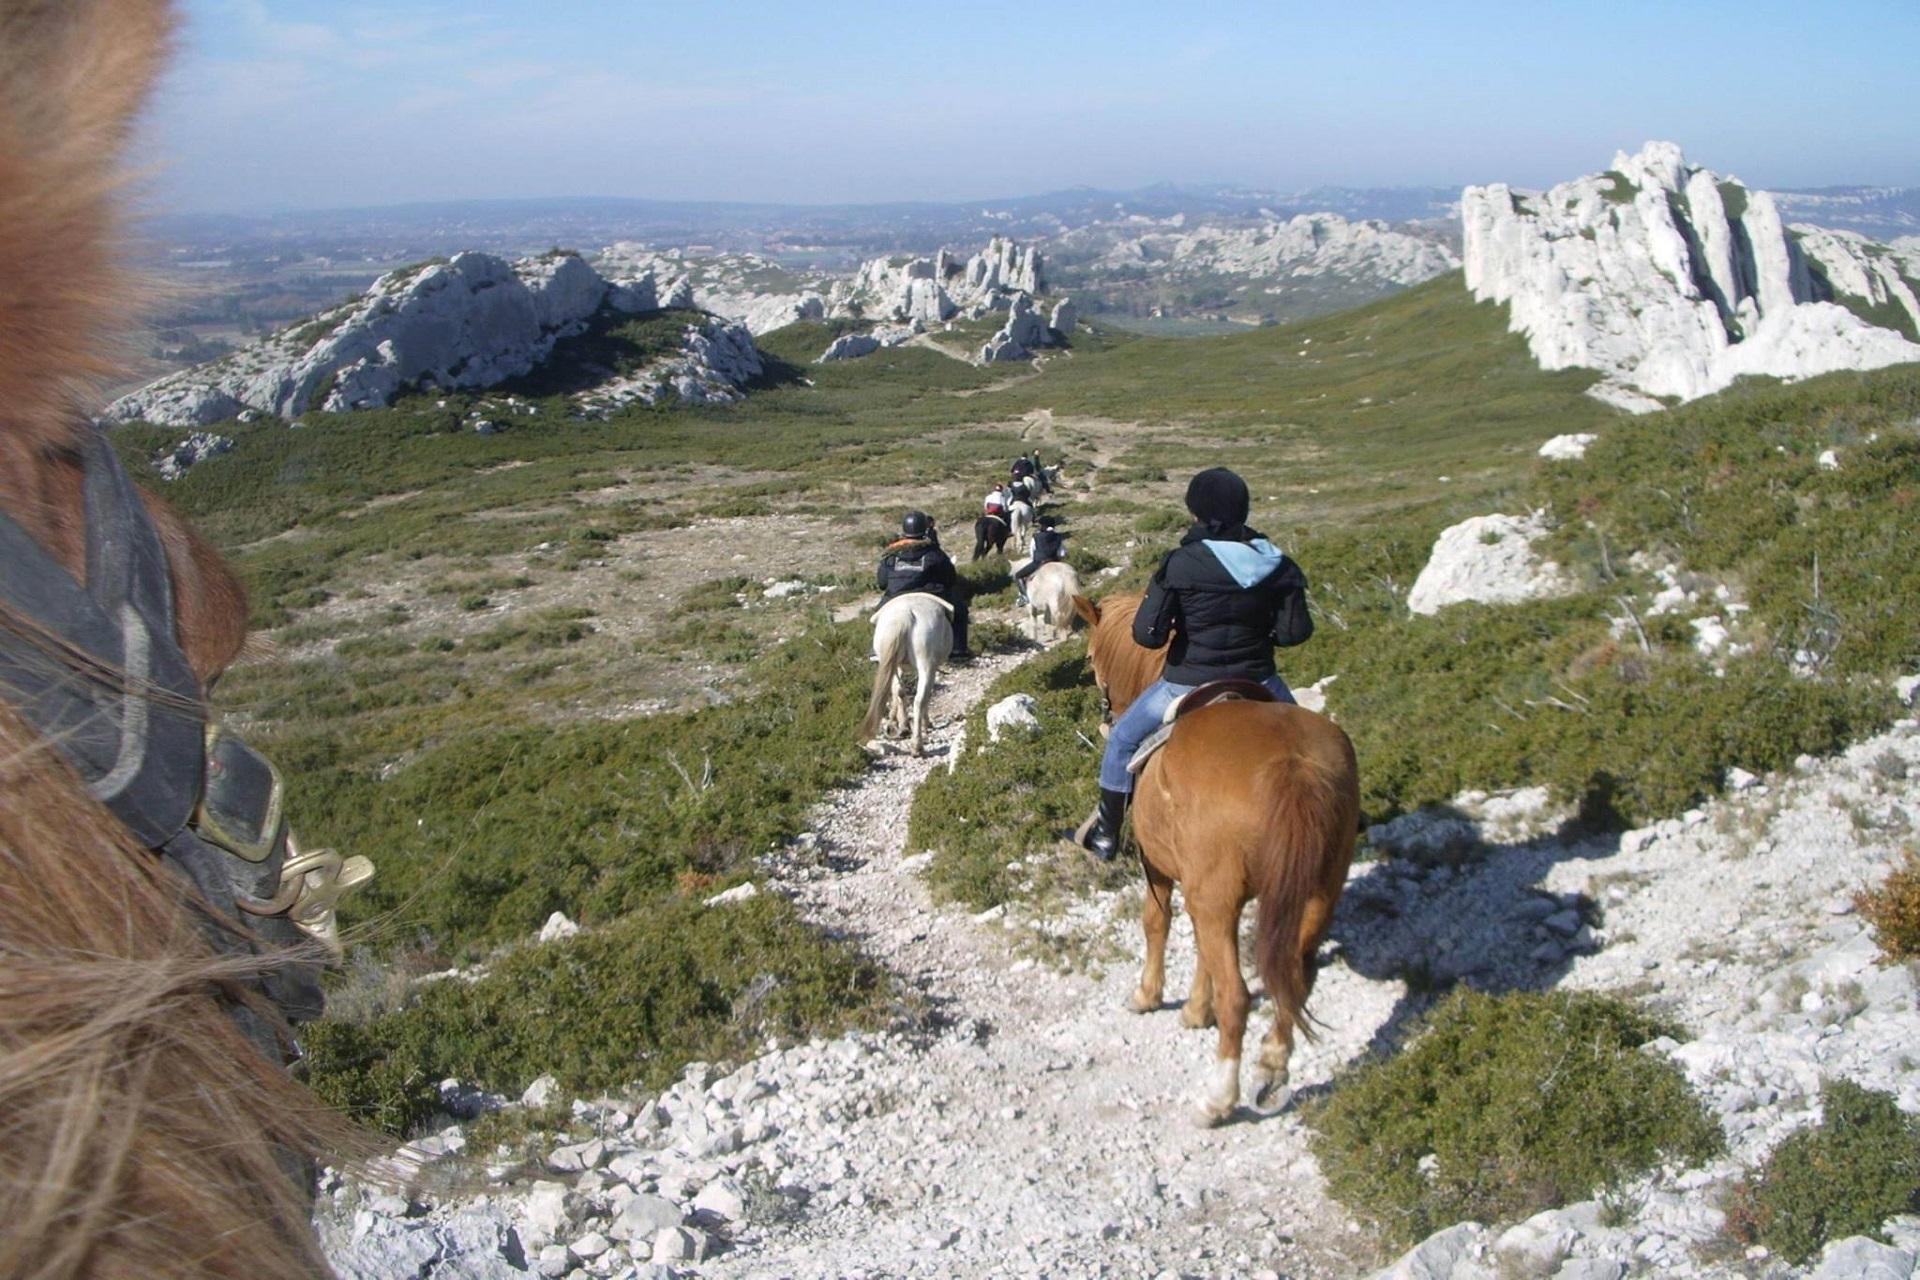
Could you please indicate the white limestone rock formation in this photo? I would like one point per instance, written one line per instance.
(1065, 317)
(1023, 333)
(1488, 560)
(1671, 280)
(1308, 246)
(717, 359)
(851, 346)
(189, 453)
(931, 291)
(467, 323)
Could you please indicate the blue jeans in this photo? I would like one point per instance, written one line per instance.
(1142, 717)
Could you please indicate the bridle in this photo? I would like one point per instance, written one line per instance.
(98, 672)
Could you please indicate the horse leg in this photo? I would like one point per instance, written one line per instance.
(897, 709)
(922, 695)
(1197, 1012)
(1217, 930)
(1156, 917)
(1270, 1079)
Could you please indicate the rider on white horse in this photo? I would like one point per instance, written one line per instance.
(1049, 544)
(915, 562)
(1225, 597)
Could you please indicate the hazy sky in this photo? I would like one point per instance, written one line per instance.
(276, 104)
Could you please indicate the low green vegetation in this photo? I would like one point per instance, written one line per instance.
(1844, 1176)
(1011, 800)
(1621, 189)
(1504, 1106)
(629, 1003)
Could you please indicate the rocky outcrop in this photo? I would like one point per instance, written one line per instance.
(1669, 279)
(1487, 560)
(1306, 246)
(1065, 317)
(467, 323)
(851, 346)
(197, 448)
(931, 291)
(716, 360)
(1020, 337)
(1567, 448)
(1866, 274)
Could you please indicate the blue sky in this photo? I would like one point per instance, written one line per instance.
(277, 104)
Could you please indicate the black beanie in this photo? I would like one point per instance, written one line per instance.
(1218, 496)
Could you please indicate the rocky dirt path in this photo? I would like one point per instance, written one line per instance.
(1037, 1128)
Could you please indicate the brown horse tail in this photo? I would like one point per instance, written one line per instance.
(889, 652)
(1313, 822)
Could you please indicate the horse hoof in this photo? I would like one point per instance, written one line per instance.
(1271, 1093)
(1139, 1002)
(1195, 1021)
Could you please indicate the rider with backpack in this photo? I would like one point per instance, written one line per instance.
(915, 562)
(1049, 544)
(1220, 602)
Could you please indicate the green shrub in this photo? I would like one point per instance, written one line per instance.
(1516, 1103)
(1842, 1177)
(633, 1002)
(1894, 910)
(1015, 797)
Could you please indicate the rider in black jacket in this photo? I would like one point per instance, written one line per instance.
(1220, 602)
(1049, 544)
(915, 562)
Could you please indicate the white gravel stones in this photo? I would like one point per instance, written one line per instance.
(1013, 714)
(1488, 560)
(541, 1092)
(739, 893)
(1568, 448)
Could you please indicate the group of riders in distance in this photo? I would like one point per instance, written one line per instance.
(1219, 604)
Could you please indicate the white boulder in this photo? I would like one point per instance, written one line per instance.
(558, 926)
(1568, 448)
(189, 453)
(1065, 317)
(1487, 560)
(1012, 714)
(1024, 332)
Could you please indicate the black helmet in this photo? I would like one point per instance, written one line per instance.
(915, 524)
(1047, 522)
(1218, 496)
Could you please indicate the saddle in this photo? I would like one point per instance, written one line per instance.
(1202, 696)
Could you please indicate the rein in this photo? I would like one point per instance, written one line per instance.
(97, 670)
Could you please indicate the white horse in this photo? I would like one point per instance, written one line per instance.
(1020, 520)
(919, 622)
(1050, 593)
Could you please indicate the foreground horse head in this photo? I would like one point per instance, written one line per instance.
(917, 626)
(1246, 800)
(145, 1130)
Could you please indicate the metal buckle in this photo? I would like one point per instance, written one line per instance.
(311, 886)
(240, 807)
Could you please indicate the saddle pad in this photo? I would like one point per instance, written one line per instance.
(1154, 741)
(1213, 691)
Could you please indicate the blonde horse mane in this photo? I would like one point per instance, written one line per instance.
(142, 1134)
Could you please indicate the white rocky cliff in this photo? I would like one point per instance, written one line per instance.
(1673, 281)
(467, 323)
(1305, 245)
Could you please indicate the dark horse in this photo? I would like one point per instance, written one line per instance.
(989, 532)
(154, 917)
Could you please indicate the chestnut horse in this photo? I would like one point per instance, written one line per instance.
(143, 1130)
(1246, 800)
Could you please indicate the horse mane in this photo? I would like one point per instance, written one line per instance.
(141, 1133)
(1123, 666)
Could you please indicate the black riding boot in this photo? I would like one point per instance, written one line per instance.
(1101, 834)
(960, 620)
